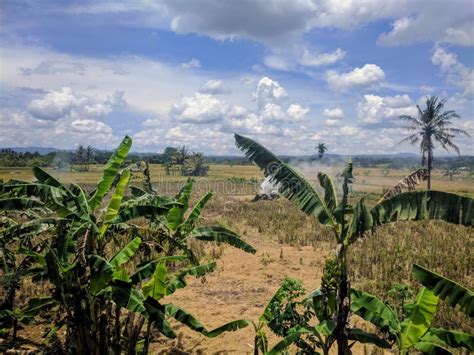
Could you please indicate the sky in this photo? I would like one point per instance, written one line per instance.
(289, 74)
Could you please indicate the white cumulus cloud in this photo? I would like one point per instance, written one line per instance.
(276, 62)
(297, 112)
(55, 104)
(334, 113)
(317, 60)
(268, 91)
(90, 126)
(200, 108)
(367, 76)
(457, 73)
(374, 109)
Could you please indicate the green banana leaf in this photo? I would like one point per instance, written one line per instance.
(156, 287)
(361, 221)
(110, 172)
(126, 253)
(176, 214)
(446, 289)
(228, 327)
(19, 203)
(221, 235)
(193, 217)
(146, 269)
(290, 184)
(367, 338)
(449, 338)
(283, 344)
(420, 316)
(125, 295)
(424, 205)
(375, 311)
(179, 280)
(114, 204)
(431, 348)
(330, 195)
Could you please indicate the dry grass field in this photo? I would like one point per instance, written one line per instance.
(242, 180)
(289, 244)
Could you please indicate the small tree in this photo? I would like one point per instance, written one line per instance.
(451, 172)
(89, 153)
(195, 165)
(81, 157)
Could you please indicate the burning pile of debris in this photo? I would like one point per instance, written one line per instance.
(266, 191)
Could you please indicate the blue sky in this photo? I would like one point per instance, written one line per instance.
(290, 74)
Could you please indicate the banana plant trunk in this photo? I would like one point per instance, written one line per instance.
(344, 288)
(343, 299)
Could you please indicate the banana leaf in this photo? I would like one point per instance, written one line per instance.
(446, 289)
(424, 205)
(420, 316)
(449, 338)
(110, 172)
(290, 184)
(374, 311)
(221, 235)
(114, 204)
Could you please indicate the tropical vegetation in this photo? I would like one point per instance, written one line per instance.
(348, 223)
(109, 260)
(112, 258)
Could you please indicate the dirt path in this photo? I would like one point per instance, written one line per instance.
(241, 287)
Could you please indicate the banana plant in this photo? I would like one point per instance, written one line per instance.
(82, 256)
(302, 322)
(350, 222)
(282, 318)
(143, 291)
(180, 228)
(413, 329)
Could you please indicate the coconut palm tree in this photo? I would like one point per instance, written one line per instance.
(89, 154)
(321, 149)
(432, 125)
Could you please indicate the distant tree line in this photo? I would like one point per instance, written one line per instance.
(9, 157)
(80, 159)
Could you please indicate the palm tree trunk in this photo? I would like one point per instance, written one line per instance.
(430, 162)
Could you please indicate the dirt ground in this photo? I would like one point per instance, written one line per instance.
(240, 288)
